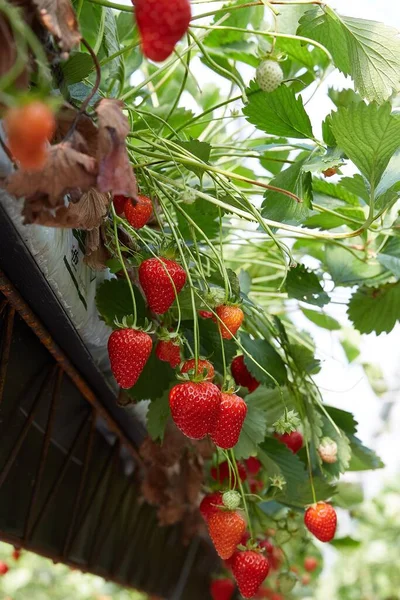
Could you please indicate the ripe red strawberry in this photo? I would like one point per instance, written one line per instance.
(16, 554)
(242, 375)
(203, 366)
(194, 407)
(255, 485)
(156, 276)
(274, 554)
(205, 314)
(221, 473)
(169, 351)
(250, 569)
(129, 350)
(228, 425)
(310, 563)
(138, 213)
(293, 440)
(321, 520)
(253, 465)
(119, 203)
(161, 25)
(226, 528)
(4, 568)
(231, 317)
(222, 589)
(210, 504)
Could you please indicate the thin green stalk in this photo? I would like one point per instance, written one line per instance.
(121, 259)
(246, 509)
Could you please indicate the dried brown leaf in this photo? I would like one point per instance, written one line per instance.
(66, 170)
(96, 257)
(58, 17)
(115, 171)
(66, 117)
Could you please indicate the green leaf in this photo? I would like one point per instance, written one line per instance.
(347, 270)
(237, 18)
(321, 319)
(267, 357)
(200, 150)
(305, 359)
(157, 416)
(345, 543)
(349, 494)
(389, 257)
(326, 159)
(388, 190)
(149, 386)
(114, 301)
(375, 309)
(327, 134)
(350, 344)
(111, 45)
(204, 214)
(369, 135)
(253, 432)
(363, 459)
(304, 285)
(368, 51)
(278, 113)
(244, 281)
(357, 186)
(77, 67)
(279, 207)
(343, 419)
(343, 97)
(274, 161)
(334, 190)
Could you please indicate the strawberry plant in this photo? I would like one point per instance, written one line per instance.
(179, 138)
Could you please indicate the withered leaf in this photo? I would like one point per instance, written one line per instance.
(66, 117)
(66, 169)
(96, 257)
(115, 171)
(58, 17)
(88, 213)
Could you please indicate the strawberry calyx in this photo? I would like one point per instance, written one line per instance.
(204, 372)
(165, 335)
(128, 322)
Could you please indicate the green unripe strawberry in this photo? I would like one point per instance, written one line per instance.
(286, 582)
(269, 75)
(231, 499)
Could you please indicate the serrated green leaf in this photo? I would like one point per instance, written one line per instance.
(346, 269)
(253, 432)
(278, 113)
(389, 256)
(237, 18)
(363, 459)
(111, 45)
(388, 190)
(77, 67)
(357, 186)
(279, 207)
(343, 419)
(334, 190)
(375, 309)
(272, 402)
(149, 386)
(369, 135)
(304, 285)
(157, 416)
(274, 161)
(327, 134)
(266, 356)
(321, 319)
(114, 301)
(343, 97)
(305, 359)
(368, 51)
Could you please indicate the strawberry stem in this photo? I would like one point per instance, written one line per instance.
(121, 259)
(246, 508)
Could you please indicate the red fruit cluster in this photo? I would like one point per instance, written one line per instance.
(242, 375)
(161, 25)
(169, 351)
(321, 520)
(273, 553)
(230, 319)
(253, 465)
(210, 504)
(4, 568)
(29, 128)
(221, 473)
(138, 212)
(222, 589)
(310, 563)
(293, 440)
(161, 279)
(250, 568)
(129, 350)
(204, 367)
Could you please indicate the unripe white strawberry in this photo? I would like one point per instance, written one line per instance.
(328, 450)
(231, 499)
(269, 75)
